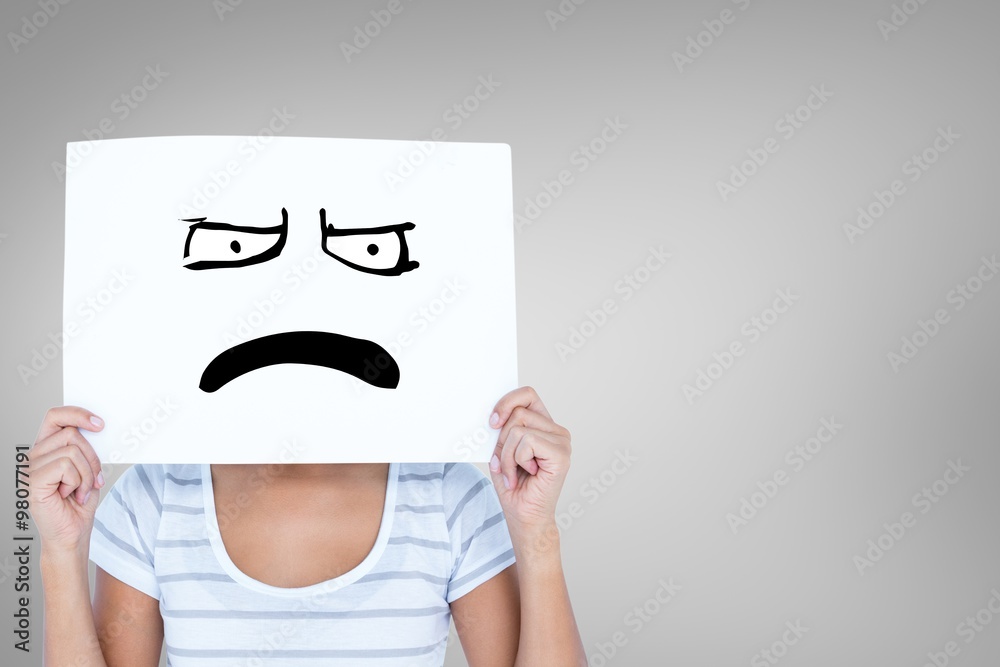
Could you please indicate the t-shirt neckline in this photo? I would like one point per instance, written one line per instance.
(322, 587)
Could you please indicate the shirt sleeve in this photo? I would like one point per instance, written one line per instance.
(123, 540)
(480, 542)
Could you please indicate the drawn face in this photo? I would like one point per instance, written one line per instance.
(296, 296)
(376, 250)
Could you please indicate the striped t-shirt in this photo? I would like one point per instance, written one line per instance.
(442, 534)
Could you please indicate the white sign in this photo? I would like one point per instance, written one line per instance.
(285, 304)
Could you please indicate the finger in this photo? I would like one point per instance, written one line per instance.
(524, 456)
(71, 437)
(504, 452)
(68, 415)
(74, 456)
(518, 449)
(58, 475)
(523, 396)
(522, 416)
(538, 450)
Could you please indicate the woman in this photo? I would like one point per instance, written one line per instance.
(270, 599)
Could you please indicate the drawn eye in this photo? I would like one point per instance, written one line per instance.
(378, 250)
(218, 245)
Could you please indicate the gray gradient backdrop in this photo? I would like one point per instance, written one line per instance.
(659, 516)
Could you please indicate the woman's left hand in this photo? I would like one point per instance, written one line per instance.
(530, 461)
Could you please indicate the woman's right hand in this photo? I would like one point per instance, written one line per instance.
(64, 470)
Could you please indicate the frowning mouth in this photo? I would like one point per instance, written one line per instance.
(363, 359)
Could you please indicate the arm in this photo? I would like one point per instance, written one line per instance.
(70, 637)
(523, 615)
(123, 627)
(549, 634)
(128, 621)
(487, 620)
(526, 608)
(64, 472)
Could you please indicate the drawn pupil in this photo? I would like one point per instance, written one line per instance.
(372, 249)
(235, 245)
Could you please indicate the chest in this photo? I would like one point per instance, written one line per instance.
(293, 538)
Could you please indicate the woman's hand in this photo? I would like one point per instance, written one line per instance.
(63, 472)
(532, 455)
(530, 462)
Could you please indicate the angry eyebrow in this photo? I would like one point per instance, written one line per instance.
(200, 223)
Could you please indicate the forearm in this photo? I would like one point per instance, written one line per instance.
(549, 635)
(70, 637)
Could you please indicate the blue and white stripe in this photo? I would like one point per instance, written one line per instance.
(442, 534)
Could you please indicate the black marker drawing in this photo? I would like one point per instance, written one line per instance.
(378, 250)
(361, 358)
(218, 245)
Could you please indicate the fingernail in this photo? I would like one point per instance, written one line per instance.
(100, 478)
(96, 421)
(506, 482)
(85, 497)
(495, 463)
(494, 420)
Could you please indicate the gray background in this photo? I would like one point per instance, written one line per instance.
(665, 516)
